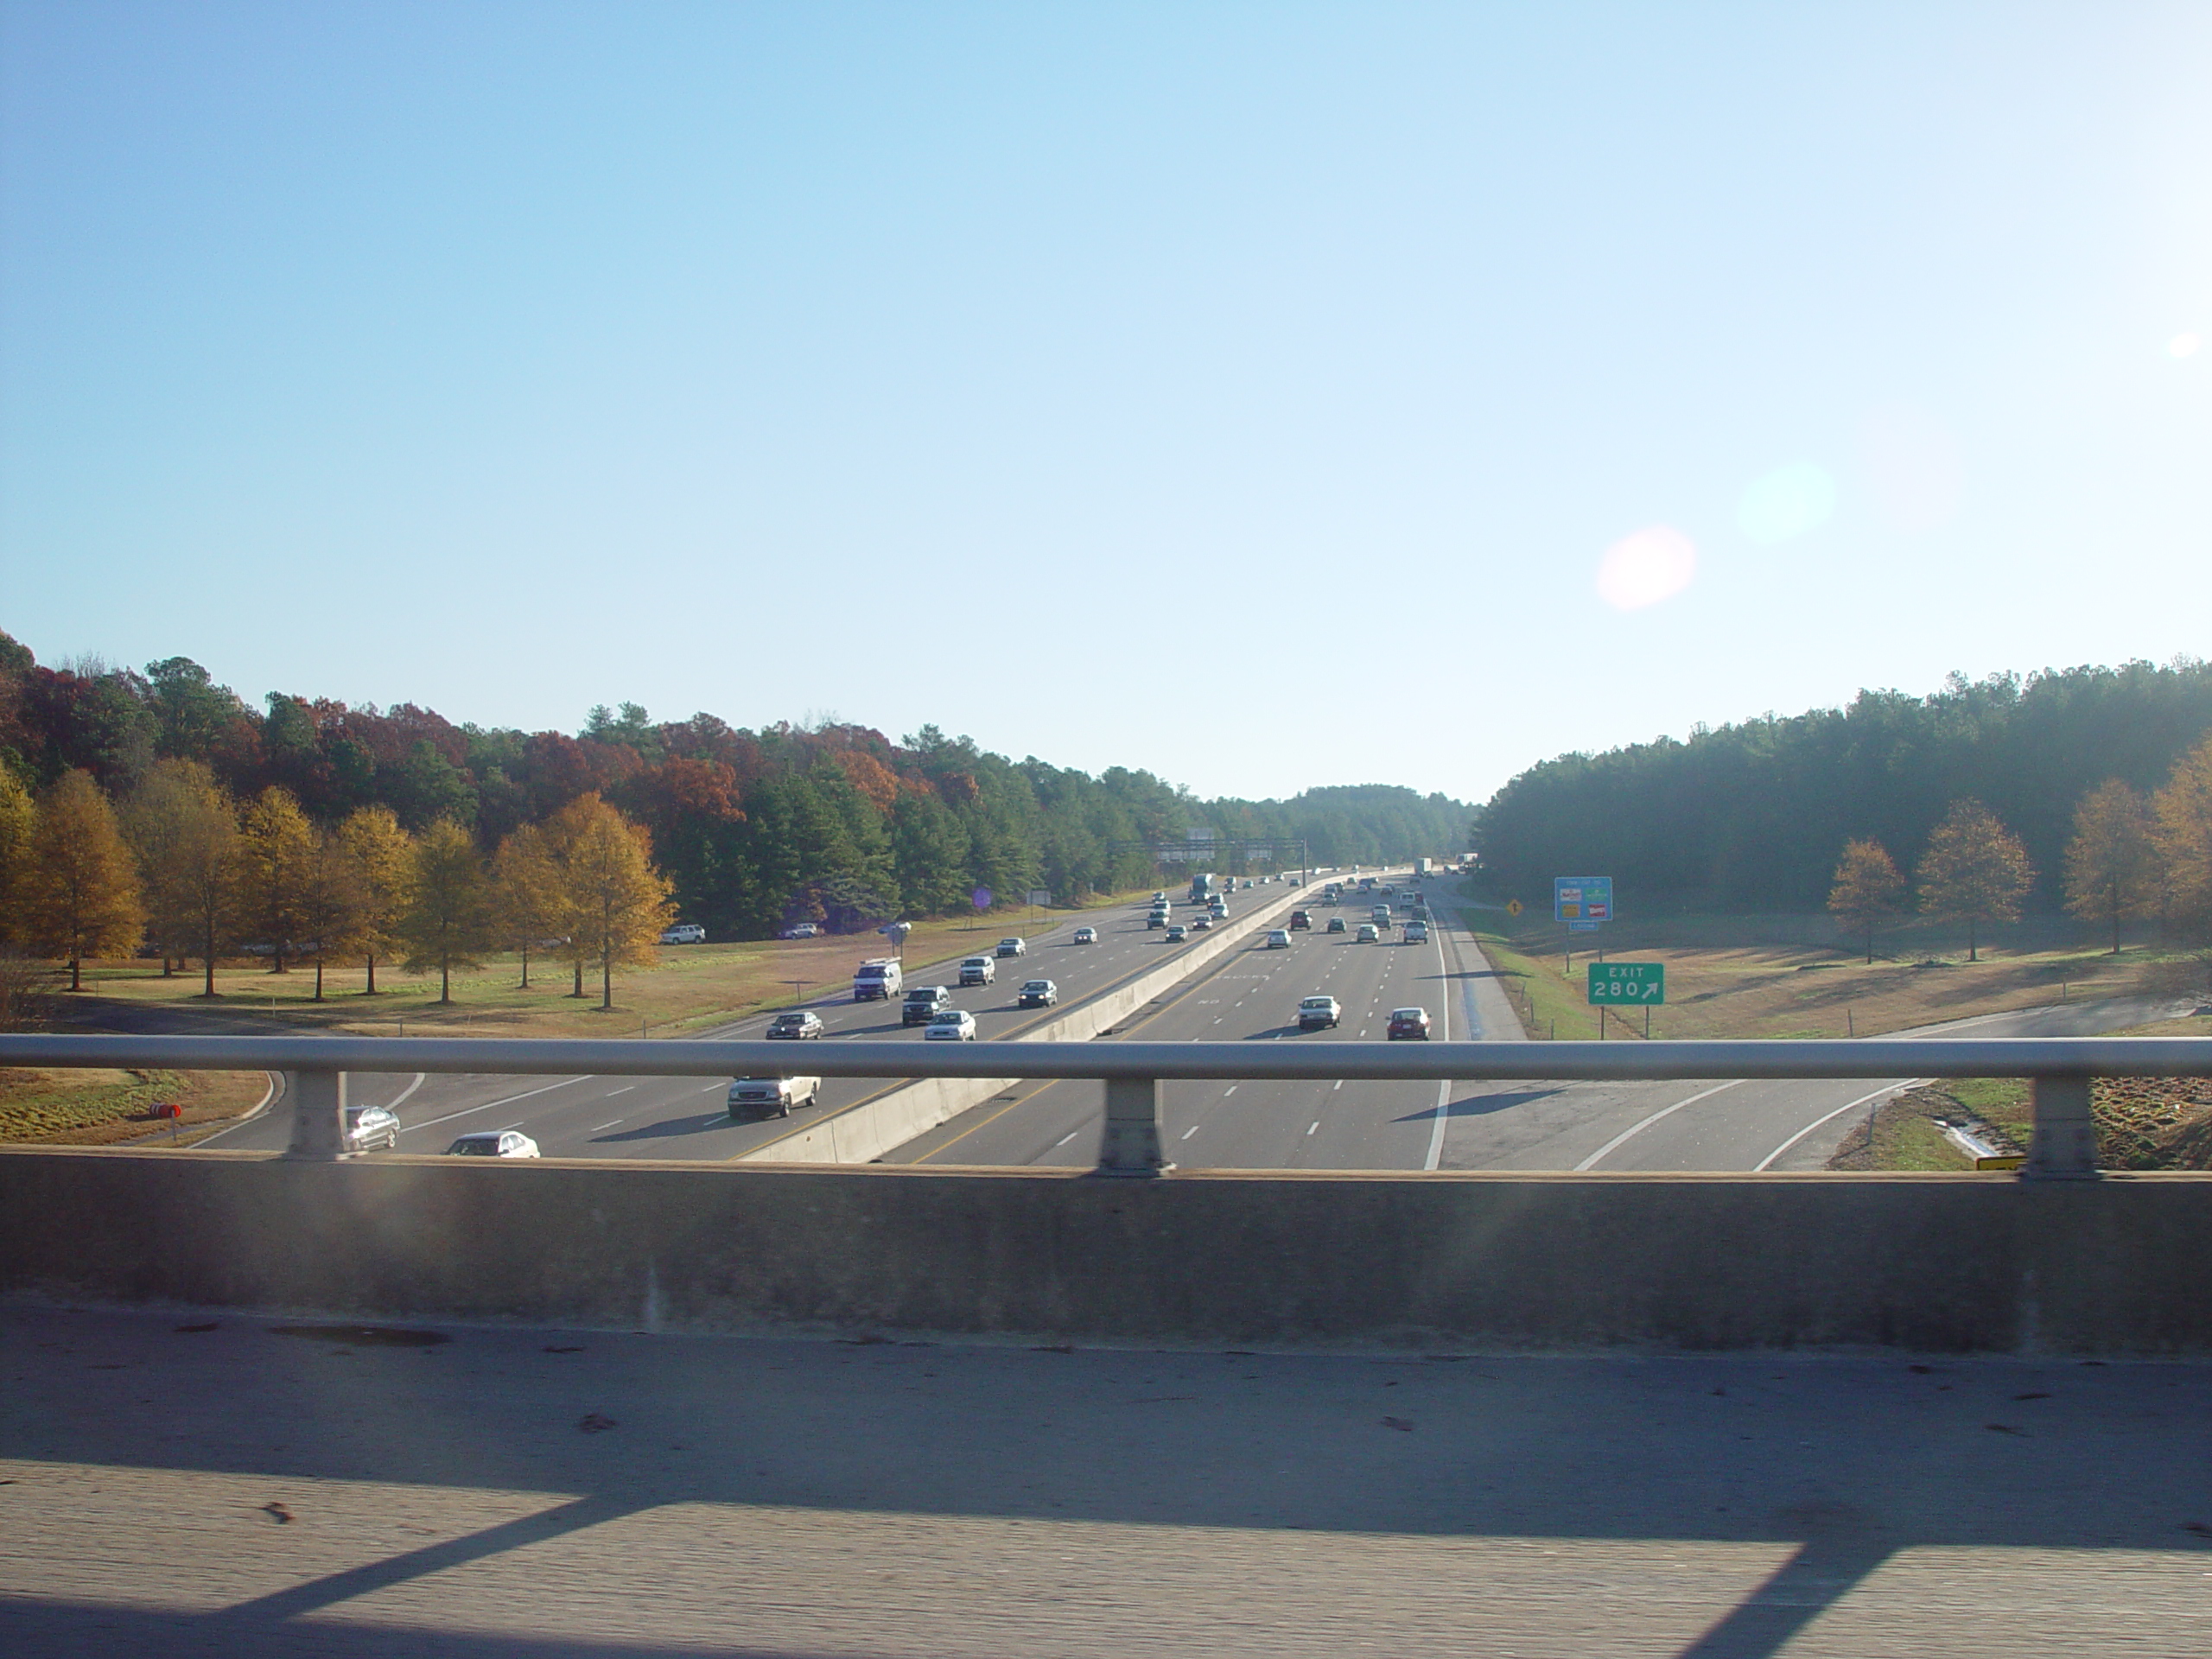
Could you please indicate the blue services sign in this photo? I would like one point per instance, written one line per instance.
(1582, 899)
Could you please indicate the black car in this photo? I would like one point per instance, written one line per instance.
(923, 1004)
(799, 1023)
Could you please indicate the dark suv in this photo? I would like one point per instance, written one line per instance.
(1301, 918)
(924, 1003)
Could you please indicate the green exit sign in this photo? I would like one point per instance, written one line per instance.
(1613, 983)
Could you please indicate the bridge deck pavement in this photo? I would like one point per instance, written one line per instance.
(235, 1490)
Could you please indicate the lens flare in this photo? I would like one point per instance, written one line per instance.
(1645, 567)
(2182, 345)
(1787, 503)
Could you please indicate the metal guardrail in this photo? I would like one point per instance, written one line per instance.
(2063, 1145)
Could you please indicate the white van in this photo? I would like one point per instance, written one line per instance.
(877, 979)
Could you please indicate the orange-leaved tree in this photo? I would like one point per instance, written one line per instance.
(1868, 890)
(2110, 862)
(84, 898)
(1974, 871)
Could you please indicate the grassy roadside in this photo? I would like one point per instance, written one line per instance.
(691, 987)
(66, 1106)
(1719, 987)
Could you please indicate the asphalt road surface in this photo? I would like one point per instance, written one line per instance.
(1714, 1125)
(686, 1117)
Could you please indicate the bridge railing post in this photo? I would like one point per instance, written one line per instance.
(1130, 1146)
(318, 1114)
(2064, 1145)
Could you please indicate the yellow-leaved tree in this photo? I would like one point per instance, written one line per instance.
(526, 893)
(445, 921)
(380, 854)
(2181, 831)
(83, 888)
(1868, 890)
(2110, 862)
(1974, 871)
(185, 832)
(276, 843)
(613, 903)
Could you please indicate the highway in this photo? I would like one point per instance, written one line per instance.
(685, 1118)
(1712, 1125)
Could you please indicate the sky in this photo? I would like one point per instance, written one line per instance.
(1268, 395)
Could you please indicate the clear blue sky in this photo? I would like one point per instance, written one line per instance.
(1269, 395)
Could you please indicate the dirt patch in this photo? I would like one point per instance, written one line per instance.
(66, 1107)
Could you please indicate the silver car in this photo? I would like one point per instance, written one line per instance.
(368, 1128)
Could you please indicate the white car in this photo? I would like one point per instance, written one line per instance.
(802, 930)
(953, 1026)
(1278, 939)
(369, 1127)
(1315, 1012)
(684, 933)
(770, 1096)
(493, 1143)
(1085, 936)
(1013, 947)
(978, 970)
(1369, 933)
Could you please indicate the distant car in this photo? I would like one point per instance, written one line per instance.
(683, 933)
(368, 1128)
(801, 930)
(1159, 897)
(951, 1025)
(798, 1023)
(1316, 1012)
(493, 1143)
(924, 1003)
(1085, 936)
(1278, 939)
(1158, 918)
(1200, 924)
(1178, 933)
(770, 1096)
(978, 970)
(1336, 925)
(1014, 948)
(1038, 993)
(1409, 1022)
(1369, 933)
(1416, 933)
(1301, 918)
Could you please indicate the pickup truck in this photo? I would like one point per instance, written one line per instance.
(770, 1096)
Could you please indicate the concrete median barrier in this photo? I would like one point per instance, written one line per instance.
(866, 1131)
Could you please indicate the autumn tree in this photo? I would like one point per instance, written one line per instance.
(275, 844)
(18, 825)
(2110, 860)
(526, 897)
(445, 920)
(379, 854)
(83, 890)
(1974, 871)
(329, 909)
(2181, 834)
(614, 902)
(1868, 890)
(185, 832)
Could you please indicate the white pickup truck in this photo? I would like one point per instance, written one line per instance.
(770, 1096)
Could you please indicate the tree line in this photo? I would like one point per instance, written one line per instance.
(180, 865)
(752, 831)
(2132, 856)
(1751, 818)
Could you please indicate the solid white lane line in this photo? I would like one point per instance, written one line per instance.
(470, 1111)
(1444, 1084)
(1632, 1132)
(1885, 1089)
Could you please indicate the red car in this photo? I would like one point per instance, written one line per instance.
(1301, 918)
(1409, 1022)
